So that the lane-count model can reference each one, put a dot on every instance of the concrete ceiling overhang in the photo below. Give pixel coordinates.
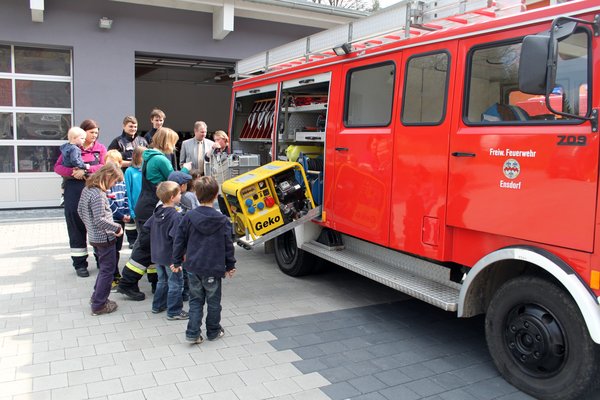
(285, 11)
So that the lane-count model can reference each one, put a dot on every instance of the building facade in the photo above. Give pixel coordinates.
(59, 65)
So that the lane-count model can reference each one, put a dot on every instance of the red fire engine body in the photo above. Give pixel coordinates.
(430, 158)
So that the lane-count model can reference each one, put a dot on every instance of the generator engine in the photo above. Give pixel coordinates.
(267, 197)
(291, 195)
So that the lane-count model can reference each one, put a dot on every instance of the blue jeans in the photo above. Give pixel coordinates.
(168, 291)
(204, 289)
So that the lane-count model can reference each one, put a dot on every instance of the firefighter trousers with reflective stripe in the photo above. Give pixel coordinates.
(140, 260)
(75, 226)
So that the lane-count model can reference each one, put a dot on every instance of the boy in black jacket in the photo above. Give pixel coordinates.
(204, 237)
(163, 226)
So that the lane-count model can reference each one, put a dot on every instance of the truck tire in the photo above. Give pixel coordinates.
(539, 341)
(292, 260)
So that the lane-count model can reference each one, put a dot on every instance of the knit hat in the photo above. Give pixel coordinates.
(179, 177)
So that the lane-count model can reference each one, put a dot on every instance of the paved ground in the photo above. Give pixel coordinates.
(334, 335)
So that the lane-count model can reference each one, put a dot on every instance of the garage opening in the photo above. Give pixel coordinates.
(186, 89)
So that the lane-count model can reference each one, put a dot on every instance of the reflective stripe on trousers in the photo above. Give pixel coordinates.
(79, 252)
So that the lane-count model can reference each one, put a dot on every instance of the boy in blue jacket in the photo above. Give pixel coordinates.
(163, 227)
(204, 237)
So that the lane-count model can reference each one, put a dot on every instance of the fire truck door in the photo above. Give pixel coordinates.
(420, 175)
(516, 169)
(363, 150)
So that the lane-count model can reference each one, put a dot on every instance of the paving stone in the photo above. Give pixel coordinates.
(78, 392)
(195, 387)
(136, 382)
(340, 390)
(367, 384)
(165, 392)
(253, 392)
(399, 392)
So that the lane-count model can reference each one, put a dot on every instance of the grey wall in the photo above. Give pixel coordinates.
(103, 61)
(184, 103)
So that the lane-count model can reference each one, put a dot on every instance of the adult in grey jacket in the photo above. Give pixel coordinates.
(189, 148)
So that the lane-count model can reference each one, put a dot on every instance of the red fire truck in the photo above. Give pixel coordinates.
(452, 152)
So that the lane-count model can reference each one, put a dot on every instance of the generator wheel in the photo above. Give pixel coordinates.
(292, 260)
(539, 341)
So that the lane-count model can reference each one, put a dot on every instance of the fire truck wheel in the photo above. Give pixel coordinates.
(292, 260)
(539, 341)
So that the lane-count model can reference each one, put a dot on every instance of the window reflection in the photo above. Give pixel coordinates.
(5, 92)
(34, 126)
(37, 158)
(7, 159)
(4, 58)
(43, 94)
(6, 126)
(31, 60)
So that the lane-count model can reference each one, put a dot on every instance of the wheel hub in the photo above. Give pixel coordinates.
(535, 339)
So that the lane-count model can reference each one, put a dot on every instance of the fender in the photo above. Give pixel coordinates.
(581, 293)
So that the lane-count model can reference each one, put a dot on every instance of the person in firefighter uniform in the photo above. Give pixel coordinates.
(93, 154)
(155, 169)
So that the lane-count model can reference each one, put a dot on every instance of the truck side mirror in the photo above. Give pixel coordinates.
(533, 64)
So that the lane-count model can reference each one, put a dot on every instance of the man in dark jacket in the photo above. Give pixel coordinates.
(127, 141)
(204, 237)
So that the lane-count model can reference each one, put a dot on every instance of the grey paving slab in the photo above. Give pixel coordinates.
(334, 335)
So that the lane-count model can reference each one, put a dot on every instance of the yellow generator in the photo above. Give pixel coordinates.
(267, 197)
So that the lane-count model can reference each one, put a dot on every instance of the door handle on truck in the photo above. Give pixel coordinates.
(462, 154)
(341, 149)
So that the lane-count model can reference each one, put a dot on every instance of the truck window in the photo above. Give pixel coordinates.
(425, 87)
(369, 95)
(494, 99)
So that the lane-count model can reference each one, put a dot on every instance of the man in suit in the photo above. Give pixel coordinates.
(196, 149)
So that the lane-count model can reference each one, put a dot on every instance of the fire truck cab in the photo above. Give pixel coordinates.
(455, 158)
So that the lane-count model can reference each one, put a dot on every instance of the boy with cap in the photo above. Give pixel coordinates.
(183, 180)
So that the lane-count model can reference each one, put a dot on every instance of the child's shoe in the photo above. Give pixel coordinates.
(109, 306)
(219, 335)
(181, 316)
(113, 286)
(197, 340)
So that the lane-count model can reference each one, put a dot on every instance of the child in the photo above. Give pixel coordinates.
(133, 188)
(188, 202)
(102, 232)
(71, 151)
(204, 237)
(163, 226)
(117, 201)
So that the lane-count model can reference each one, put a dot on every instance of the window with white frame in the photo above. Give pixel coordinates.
(36, 106)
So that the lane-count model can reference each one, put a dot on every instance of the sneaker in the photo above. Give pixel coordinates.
(82, 272)
(132, 294)
(108, 307)
(219, 335)
(197, 340)
(159, 310)
(113, 286)
(181, 316)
